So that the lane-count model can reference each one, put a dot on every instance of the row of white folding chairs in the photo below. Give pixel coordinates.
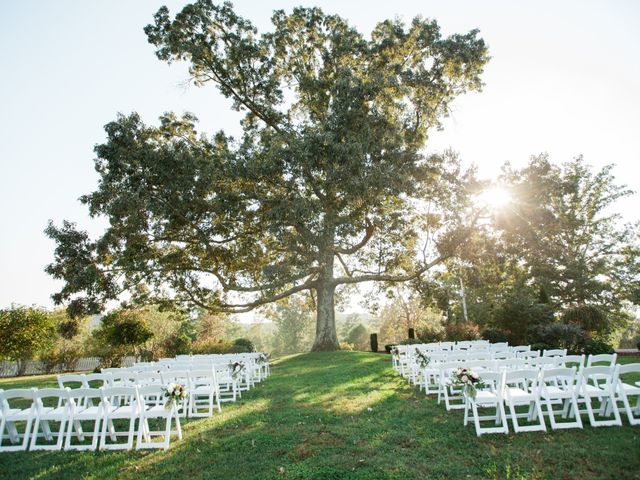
(493, 350)
(407, 365)
(244, 380)
(457, 346)
(107, 408)
(429, 378)
(206, 386)
(256, 364)
(561, 391)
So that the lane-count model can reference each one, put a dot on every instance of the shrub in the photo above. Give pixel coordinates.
(542, 346)
(25, 333)
(461, 331)
(638, 346)
(242, 345)
(210, 345)
(431, 335)
(374, 342)
(518, 313)
(410, 341)
(597, 347)
(347, 346)
(589, 317)
(359, 337)
(559, 335)
(59, 359)
(494, 335)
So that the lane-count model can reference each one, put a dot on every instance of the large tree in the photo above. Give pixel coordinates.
(327, 185)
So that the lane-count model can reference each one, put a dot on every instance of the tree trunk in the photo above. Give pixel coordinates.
(326, 338)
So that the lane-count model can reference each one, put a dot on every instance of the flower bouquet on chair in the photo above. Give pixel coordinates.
(174, 392)
(262, 359)
(422, 359)
(237, 369)
(469, 380)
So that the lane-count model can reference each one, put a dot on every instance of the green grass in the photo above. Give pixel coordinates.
(343, 415)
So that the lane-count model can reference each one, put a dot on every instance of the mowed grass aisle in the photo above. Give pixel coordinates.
(343, 415)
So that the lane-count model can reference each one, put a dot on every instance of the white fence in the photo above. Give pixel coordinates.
(36, 367)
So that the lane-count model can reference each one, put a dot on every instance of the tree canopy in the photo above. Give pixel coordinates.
(327, 185)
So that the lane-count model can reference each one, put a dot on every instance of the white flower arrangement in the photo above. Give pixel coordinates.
(422, 358)
(174, 392)
(262, 359)
(469, 380)
(237, 369)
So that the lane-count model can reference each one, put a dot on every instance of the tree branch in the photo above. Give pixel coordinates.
(369, 229)
(390, 278)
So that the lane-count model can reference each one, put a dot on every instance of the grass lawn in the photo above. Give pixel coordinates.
(343, 415)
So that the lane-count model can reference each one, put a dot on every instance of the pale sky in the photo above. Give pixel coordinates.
(564, 79)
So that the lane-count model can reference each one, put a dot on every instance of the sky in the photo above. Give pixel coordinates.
(563, 79)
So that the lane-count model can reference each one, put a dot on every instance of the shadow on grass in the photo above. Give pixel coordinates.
(346, 415)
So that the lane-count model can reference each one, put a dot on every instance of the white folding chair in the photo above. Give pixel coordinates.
(556, 352)
(541, 363)
(528, 354)
(626, 389)
(71, 381)
(59, 412)
(449, 391)
(149, 378)
(203, 392)
(499, 346)
(151, 408)
(98, 380)
(521, 348)
(10, 416)
(478, 355)
(85, 406)
(521, 389)
(557, 387)
(227, 385)
(603, 360)
(502, 355)
(123, 378)
(119, 403)
(569, 361)
(428, 377)
(599, 383)
(488, 396)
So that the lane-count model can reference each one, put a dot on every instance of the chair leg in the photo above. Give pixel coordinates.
(167, 432)
(466, 412)
(627, 408)
(34, 435)
(476, 418)
(514, 417)
(132, 426)
(61, 434)
(503, 417)
(13, 432)
(139, 435)
(178, 427)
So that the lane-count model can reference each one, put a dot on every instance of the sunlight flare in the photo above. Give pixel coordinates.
(494, 197)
